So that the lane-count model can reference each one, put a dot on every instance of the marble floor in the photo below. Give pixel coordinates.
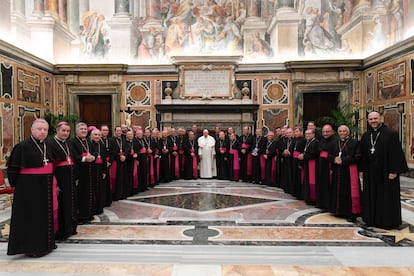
(212, 227)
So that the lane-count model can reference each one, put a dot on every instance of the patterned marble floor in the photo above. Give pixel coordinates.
(212, 227)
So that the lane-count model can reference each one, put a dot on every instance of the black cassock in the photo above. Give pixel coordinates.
(107, 184)
(286, 164)
(234, 162)
(31, 227)
(150, 146)
(132, 166)
(327, 148)
(271, 163)
(191, 162)
(257, 160)
(64, 171)
(310, 156)
(83, 170)
(297, 168)
(279, 144)
(381, 205)
(345, 191)
(174, 157)
(99, 169)
(119, 177)
(139, 147)
(222, 157)
(165, 148)
(246, 143)
(181, 154)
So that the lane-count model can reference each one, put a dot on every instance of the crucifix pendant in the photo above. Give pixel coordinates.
(372, 150)
(45, 161)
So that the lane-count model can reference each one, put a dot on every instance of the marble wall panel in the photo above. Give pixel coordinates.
(141, 118)
(6, 131)
(138, 93)
(47, 88)
(6, 80)
(274, 118)
(26, 117)
(394, 117)
(28, 86)
(369, 87)
(275, 92)
(391, 82)
(411, 142)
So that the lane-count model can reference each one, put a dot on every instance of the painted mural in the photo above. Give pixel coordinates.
(208, 27)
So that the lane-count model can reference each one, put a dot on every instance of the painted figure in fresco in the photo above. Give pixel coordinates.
(205, 32)
(229, 37)
(316, 39)
(261, 47)
(179, 20)
(394, 20)
(95, 35)
(147, 45)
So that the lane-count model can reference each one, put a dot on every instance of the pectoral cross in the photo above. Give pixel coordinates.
(372, 150)
(45, 160)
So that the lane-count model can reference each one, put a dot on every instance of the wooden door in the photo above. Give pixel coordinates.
(316, 105)
(96, 110)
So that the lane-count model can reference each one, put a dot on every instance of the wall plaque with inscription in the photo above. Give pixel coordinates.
(207, 81)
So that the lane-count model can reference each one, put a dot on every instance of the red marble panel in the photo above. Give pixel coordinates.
(274, 118)
(141, 118)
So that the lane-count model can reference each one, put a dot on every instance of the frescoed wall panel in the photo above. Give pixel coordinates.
(274, 118)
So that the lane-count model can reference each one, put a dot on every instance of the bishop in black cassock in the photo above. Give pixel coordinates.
(381, 163)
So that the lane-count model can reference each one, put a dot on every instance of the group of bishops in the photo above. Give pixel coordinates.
(60, 181)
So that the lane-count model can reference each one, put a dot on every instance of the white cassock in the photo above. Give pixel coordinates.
(206, 148)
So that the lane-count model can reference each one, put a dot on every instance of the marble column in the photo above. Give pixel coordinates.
(121, 7)
(152, 15)
(123, 32)
(73, 15)
(153, 9)
(52, 7)
(137, 9)
(285, 3)
(19, 7)
(38, 8)
(254, 24)
(63, 10)
(283, 25)
(253, 8)
(360, 7)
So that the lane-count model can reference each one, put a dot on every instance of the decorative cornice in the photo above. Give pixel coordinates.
(397, 50)
(151, 69)
(91, 69)
(211, 108)
(10, 51)
(323, 65)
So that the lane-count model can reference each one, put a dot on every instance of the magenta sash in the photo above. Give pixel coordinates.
(273, 175)
(195, 163)
(46, 169)
(55, 205)
(249, 163)
(262, 167)
(296, 154)
(135, 175)
(312, 179)
(62, 163)
(182, 158)
(323, 154)
(142, 150)
(177, 162)
(157, 164)
(249, 159)
(99, 161)
(151, 168)
(355, 192)
(236, 165)
(112, 176)
(223, 150)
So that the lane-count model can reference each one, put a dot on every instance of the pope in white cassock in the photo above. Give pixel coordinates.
(207, 154)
